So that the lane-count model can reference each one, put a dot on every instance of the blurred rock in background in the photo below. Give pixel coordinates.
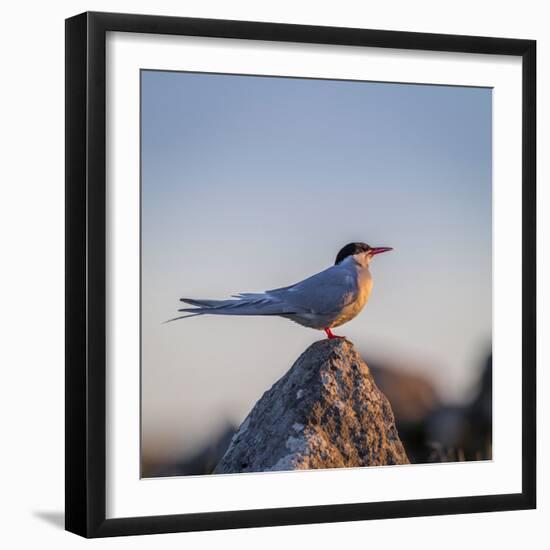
(432, 431)
(413, 399)
(201, 463)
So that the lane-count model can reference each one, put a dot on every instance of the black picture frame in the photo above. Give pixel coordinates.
(86, 276)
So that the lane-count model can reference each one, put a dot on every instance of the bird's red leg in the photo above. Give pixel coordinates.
(331, 336)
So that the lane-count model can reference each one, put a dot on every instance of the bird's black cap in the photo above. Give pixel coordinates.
(351, 249)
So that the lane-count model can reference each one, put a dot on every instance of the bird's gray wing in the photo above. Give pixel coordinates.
(323, 293)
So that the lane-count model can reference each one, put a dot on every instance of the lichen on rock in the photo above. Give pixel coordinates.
(325, 412)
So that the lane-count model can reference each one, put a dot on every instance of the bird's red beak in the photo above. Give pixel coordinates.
(380, 249)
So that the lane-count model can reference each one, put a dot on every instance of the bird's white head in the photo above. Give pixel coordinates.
(361, 253)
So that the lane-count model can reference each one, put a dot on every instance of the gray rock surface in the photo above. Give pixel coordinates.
(325, 412)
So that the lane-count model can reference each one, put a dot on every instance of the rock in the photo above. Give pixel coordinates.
(325, 412)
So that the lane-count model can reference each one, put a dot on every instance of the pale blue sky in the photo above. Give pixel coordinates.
(251, 183)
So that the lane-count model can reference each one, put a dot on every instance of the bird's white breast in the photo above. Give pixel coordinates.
(364, 288)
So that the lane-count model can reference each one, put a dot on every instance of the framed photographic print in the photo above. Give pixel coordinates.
(300, 274)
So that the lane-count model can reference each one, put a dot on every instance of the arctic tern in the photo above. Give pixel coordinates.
(323, 301)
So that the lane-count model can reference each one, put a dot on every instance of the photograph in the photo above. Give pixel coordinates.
(316, 273)
(272, 275)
